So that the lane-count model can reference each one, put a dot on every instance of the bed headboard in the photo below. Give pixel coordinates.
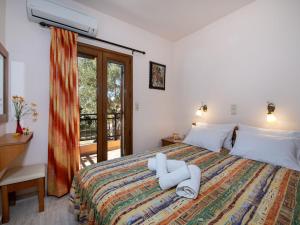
(234, 135)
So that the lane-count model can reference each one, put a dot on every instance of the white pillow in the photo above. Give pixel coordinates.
(278, 133)
(227, 126)
(281, 133)
(209, 138)
(275, 150)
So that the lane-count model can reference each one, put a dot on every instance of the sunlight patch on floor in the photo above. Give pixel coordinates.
(86, 160)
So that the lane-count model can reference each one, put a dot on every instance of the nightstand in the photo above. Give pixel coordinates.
(170, 141)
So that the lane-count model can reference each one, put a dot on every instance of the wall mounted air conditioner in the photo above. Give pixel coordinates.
(51, 13)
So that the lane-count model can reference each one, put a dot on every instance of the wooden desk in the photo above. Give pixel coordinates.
(11, 147)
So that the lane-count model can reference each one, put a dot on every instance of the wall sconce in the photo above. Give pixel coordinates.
(201, 109)
(270, 115)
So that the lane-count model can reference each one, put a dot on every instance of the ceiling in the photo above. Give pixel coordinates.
(171, 19)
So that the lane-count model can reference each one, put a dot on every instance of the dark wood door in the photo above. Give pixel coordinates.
(114, 118)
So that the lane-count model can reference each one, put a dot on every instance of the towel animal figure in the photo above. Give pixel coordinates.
(161, 164)
(171, 164)
(190, 188)
(169, 180)
(175, 172)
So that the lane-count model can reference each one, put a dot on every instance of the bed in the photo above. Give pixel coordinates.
(233, 191)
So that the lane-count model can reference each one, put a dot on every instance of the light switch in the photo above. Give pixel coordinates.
(233, 109)
(137, 106)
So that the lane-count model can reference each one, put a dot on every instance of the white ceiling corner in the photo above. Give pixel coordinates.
(170, 19)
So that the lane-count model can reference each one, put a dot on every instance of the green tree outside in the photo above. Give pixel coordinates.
(88, 86)
(87, 69)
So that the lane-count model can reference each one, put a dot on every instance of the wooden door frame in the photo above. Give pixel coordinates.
(4, 115)
(127, 91)
(104, 55)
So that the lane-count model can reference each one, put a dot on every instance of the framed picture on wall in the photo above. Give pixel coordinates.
(157, 79)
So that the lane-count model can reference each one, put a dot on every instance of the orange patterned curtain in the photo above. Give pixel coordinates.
(63, 143)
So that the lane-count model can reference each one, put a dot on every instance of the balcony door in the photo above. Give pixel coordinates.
(105, 92)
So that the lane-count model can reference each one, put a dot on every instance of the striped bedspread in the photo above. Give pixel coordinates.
(233, 191)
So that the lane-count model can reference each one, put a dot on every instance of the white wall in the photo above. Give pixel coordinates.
(2, 20)
(28, 45)
(246, 58)
(2, 40)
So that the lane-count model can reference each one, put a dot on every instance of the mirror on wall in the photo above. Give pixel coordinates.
(3, 84)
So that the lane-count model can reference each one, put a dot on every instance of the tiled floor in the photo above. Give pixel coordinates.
(87, 160)
(57, 212)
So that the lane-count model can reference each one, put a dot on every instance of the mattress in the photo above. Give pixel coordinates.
(233, 190)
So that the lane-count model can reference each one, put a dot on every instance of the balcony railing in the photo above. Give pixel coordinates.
(88, 126)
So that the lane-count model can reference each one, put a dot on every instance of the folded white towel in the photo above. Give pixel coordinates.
(161, 164)
(171, 164)
(169, 180)
(190, 188)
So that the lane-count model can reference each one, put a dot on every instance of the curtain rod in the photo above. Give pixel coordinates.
(43, 24)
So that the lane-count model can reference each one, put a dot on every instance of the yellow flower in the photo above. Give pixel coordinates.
(21, 99)
(15, 98)
(23, 109)
(33, 105)
(18, 99)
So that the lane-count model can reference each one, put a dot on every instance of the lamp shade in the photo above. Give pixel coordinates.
(199, 112)
(271, 118)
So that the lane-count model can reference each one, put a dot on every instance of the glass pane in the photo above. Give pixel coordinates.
(87, 69)
(115, 73)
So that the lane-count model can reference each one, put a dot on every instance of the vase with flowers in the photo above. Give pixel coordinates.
(23, 109)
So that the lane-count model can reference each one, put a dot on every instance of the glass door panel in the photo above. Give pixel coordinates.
(115, 74)
(87, 72)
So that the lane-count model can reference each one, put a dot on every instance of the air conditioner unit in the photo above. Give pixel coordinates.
(47, 12)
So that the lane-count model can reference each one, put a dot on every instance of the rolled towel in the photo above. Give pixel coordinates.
(152, 164)
(169, 180)
(190, 188)
(161, 164)
(172, 165)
